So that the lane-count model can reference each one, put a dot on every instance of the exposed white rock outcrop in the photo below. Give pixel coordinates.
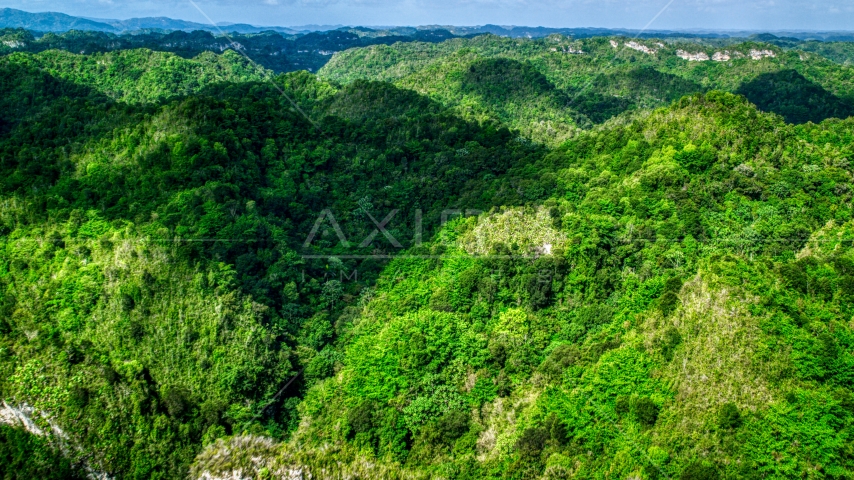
(13, 43)
(20, 417)
(760, 54)
(614, 44)
(641, 48)
(23, 417)
(693, 57)
(721, 56)
(244, 457)
(545, 249)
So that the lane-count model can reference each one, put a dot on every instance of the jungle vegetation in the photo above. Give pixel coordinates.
(594, 262)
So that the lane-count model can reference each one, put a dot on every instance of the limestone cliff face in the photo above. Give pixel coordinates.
(760, 54)
(721, 57)
(40, 424)
(692, 57)
(724, 56)
(641, 48)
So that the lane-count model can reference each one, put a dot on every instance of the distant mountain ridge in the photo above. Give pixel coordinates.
(49, 22)
(516, 31)
(60, 22)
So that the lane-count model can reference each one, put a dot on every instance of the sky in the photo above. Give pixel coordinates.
(766, 15)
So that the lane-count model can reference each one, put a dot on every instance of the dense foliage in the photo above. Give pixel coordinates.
(693, 317)
(24, 456)
(797, 99)
(276, 51)
(514, 261)
(839, 52)
(168, 235)
(598, 78)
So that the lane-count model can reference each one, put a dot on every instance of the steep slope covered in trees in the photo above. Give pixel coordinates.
(275, 51)
(140, 76)
(690, 321)
(643, 276)
(502, 91)
(154, 296)
(603, 77)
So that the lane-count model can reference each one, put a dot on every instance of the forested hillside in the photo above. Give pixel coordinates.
(212, 270)
(168, 233)
(279, 52)
(132, 76)
(600, 78)
(692, 320)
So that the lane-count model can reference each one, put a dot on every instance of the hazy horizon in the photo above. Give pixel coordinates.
(716, 15)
